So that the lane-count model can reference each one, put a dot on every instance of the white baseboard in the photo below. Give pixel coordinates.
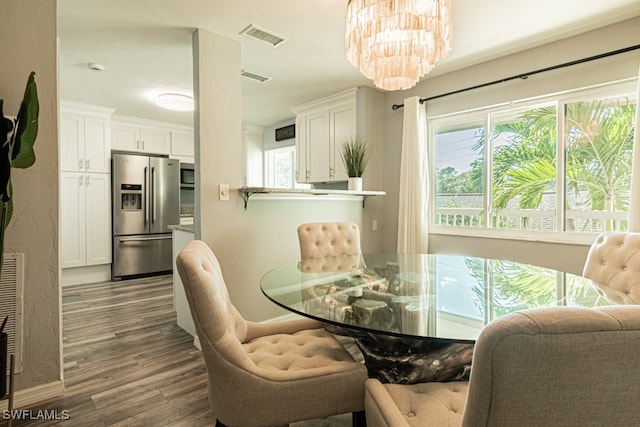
(83, 275)
(33, 395)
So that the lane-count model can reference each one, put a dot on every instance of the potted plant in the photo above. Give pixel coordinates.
(17, 137)
(355, 155)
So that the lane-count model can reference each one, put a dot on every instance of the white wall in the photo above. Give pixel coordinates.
(371, 106)
(269, 141)
(252, 137)
(28, 34)
(618, 36)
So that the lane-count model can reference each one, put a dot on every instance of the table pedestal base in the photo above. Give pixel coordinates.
(410, 361)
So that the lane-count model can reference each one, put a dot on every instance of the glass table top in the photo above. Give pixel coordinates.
(433, 296)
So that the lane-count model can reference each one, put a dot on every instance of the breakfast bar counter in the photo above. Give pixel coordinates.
(247, 192)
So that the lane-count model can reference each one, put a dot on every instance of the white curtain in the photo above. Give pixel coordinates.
(413, 219)
(634, 203)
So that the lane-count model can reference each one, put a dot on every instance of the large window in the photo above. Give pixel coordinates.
(561, 164)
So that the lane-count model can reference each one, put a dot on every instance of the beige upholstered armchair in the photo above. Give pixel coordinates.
(265, 374)
(560, 366)
(325, 239)
(613, 263)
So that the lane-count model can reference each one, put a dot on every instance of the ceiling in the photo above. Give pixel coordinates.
(145, 46)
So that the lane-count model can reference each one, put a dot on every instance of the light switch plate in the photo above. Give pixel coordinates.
(224, 191)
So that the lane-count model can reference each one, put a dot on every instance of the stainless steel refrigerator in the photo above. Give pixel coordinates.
(146, 200)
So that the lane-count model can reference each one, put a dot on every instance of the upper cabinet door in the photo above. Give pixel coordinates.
(84, 143)
(302, 170)
(182, 144)
(126, 138)
(318, 147)
(321, 128)
(343, 128)
(71, 142)
(97, 144)
(157, 141)
(130, 137)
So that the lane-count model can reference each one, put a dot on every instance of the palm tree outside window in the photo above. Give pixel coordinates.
(561, 165)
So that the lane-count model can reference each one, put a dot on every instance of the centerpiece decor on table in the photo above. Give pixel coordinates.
(355, 155)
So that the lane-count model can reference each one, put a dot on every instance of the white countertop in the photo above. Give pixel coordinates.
(310, 191)
(189, 228)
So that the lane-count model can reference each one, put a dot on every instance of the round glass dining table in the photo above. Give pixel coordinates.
(415, 317)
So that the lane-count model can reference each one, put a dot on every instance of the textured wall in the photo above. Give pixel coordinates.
(28, 34)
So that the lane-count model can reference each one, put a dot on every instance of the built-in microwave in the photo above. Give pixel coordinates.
(187, 184)
(187, 175)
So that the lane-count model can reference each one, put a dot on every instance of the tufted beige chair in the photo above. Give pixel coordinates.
(325, 239)
(324, 247)
(558, 366)
(613, 263)
(265, 374)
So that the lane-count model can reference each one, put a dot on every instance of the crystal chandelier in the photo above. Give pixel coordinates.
(395, 42)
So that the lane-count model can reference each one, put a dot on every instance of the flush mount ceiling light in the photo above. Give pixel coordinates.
(175, 101)
(395, 42)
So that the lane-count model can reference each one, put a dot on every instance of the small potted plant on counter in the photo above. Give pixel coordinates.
(355, 155)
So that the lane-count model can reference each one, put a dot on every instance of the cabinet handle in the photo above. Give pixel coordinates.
(143, 144)
(87, 164)
(138, 144)
(88, 179)
(80, 164)
(80, 180)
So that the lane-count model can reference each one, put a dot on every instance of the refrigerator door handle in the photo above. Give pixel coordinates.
(145, 202)
(143, 239)
(152, 192)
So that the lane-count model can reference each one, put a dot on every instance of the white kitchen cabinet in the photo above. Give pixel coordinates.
(321, 128)
(182, 146)
(86, 219)
(140, 138)
(84, 139)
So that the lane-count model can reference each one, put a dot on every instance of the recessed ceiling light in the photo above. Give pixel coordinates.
(175, 101)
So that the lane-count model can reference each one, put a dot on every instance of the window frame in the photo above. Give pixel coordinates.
(622, 88)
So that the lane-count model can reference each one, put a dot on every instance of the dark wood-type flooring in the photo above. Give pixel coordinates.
(127, 363)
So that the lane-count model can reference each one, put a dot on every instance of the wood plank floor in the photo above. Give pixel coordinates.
(127, 363)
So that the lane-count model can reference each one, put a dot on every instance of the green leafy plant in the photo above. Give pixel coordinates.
(17, 137)
(355, 155)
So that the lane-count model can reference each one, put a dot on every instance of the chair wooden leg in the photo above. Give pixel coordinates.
(219, 424)
(358, 419)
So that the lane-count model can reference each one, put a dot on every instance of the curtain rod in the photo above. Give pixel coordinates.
(524, 76)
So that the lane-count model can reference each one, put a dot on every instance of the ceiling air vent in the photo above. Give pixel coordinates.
(263, 35)
(255, 77)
